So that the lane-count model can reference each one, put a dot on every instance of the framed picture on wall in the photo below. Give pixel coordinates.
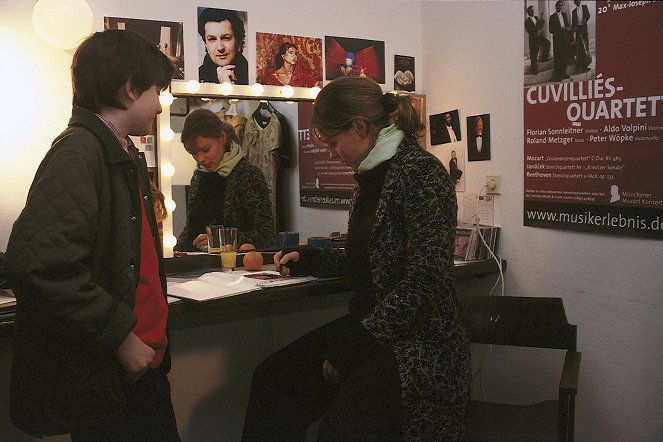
(354, 57)
(404, 73)
(288, 59)
(445, 127)
(478, 137)
(419, 103)
(167, 36)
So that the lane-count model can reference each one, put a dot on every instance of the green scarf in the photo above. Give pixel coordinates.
(228, 163)
(385, 148)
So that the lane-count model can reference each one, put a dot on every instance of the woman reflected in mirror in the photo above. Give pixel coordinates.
(225, 188)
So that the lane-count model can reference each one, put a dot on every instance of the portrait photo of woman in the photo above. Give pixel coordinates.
(286, 59)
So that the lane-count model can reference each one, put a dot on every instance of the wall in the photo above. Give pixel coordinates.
(612, 286)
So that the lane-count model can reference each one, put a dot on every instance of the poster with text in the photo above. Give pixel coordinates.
(323, 182)
(594, 142)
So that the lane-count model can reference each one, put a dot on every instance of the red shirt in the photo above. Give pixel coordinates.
(151, 308)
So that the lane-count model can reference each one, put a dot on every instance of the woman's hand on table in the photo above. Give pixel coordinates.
(200, 242)
(280, 261)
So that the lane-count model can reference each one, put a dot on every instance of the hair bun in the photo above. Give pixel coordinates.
(390, 102)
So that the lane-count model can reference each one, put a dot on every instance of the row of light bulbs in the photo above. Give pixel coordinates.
(167, 134)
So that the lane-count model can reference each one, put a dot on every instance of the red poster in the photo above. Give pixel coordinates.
(323, 182)
(594, 141)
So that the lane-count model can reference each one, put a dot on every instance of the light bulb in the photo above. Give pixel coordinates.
(168, 170)
(170, 205)
(62, 24)
(257, 89)
(166, 98)
(287, 91)
(167, 133)
(192, 86)
(226, 88)
(315, 90)
(169, 241)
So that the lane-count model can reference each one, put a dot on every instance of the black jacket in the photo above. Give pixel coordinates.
(73, 261)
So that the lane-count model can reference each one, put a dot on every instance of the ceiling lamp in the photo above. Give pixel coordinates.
(62, 24)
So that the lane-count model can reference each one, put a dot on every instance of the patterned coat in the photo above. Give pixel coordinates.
(245, 205)
(415, 312)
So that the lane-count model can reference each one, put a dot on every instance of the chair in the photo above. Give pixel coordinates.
(524, 322)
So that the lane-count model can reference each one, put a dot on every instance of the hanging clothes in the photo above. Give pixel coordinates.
(262, 136)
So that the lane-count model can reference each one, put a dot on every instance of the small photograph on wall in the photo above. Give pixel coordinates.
(404, 73)
(288, 59)
(445, 127)
(222, 45)
(354, 57)
(478, 137)
(453, 158)
(168, 36)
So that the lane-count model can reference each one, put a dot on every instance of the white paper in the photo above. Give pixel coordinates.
(215, 285)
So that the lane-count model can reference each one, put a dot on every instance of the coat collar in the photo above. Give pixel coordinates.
(110, 144)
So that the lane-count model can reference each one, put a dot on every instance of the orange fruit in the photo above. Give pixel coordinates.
(247, 246)
(253, 260)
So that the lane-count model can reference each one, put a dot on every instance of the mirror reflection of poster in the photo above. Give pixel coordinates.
(165, 34)
(354, 57)
(592, 142)
(288, 59)
(222, 40)
(404, 79)
(323, 182)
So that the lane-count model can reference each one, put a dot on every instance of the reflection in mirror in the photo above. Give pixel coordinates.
(266, 131)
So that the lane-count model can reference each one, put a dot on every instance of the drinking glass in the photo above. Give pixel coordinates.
(228, 236)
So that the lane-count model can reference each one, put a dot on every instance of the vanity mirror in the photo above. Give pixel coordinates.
(175, 166)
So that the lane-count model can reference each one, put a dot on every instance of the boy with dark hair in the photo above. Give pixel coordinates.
(91, 347)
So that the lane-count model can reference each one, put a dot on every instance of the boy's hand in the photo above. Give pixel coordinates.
(135, 356)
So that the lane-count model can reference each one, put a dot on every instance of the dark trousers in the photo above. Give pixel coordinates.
(538, 44)
(289, 393)
(561, 54)
(148, 416)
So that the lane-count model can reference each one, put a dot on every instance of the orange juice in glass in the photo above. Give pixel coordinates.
(228, 247)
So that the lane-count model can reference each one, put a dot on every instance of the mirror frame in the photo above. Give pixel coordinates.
(192, 88)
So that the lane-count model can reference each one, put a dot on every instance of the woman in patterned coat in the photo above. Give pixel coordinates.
(225, 188)
(398, 366)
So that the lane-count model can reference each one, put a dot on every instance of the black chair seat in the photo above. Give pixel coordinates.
(490, 421)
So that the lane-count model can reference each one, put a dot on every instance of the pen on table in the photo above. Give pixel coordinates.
(283, 245)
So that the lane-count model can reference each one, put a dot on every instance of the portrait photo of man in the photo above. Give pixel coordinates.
(223, 37)
(445, 127)
(478, 137)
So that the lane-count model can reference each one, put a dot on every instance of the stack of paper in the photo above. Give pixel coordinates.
(222, 284)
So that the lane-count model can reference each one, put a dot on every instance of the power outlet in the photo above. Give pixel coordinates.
(494, 184)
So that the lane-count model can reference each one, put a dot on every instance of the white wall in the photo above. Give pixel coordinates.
(612, 286)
